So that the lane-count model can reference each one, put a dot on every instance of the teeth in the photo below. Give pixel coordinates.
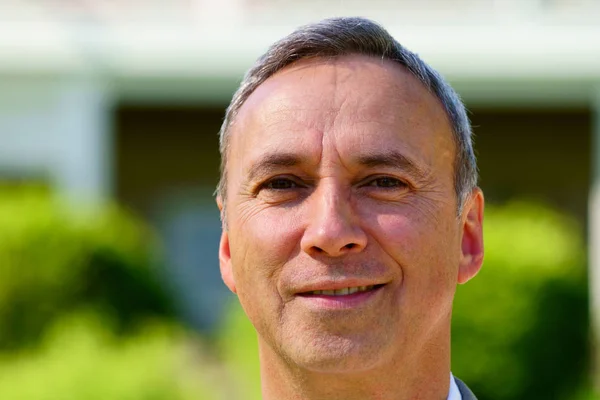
(344, 291)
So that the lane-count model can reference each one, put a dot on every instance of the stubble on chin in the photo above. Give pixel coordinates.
(332, 345)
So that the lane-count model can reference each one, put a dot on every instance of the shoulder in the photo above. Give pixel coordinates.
(464, 390)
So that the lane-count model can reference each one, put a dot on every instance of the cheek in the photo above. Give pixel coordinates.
(422, 249)
(263, 243)
(268, 234)
(267, 239)
(425, 248)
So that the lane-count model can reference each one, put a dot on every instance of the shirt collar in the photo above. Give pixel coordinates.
(454, 393)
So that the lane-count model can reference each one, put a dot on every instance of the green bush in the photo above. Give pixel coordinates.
(72, 281)
(55, 258)
(82, 314)
(238, 348)
(80, 358)
(520, 326)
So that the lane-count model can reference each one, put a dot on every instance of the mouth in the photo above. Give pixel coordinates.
(345, 298)
(343, 291)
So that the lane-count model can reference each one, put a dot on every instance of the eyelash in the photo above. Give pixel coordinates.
(371, 182)
(269, 184)
(397, 183)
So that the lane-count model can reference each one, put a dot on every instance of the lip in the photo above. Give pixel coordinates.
(338, 284)
(343, 302)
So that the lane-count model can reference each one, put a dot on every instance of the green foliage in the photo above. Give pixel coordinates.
(520, 326)
(239, 351)
(82, 315)
(78, 289)
(55, 259)
(80, 358)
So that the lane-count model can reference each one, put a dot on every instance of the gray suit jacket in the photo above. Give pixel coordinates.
(465, 392)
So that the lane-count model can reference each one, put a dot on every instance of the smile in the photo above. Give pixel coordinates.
(351, 297)
(343, 291)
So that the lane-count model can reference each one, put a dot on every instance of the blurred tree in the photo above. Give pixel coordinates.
(520, 328)
(238, 348)
(55, 259)
(79, 357)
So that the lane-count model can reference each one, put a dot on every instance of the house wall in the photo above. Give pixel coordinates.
(164, 149)
(166, 168)
(57, 131)
(542, 154)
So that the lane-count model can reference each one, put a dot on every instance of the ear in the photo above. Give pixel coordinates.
(472, 237)
(225, 253)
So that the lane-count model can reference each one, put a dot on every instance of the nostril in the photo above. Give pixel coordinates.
(350, 246)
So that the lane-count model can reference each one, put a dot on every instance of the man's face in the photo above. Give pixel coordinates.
(340, 178)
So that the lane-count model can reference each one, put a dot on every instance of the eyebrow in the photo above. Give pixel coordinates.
(396, 160)
(270, 162)
(389, 159)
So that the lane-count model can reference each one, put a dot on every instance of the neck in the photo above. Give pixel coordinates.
(422, 375)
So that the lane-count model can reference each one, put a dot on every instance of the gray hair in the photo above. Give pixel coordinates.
(347, 36)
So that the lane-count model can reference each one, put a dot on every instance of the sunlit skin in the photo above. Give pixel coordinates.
(340, 174)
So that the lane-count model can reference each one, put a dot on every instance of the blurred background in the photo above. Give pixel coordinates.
(109, 114)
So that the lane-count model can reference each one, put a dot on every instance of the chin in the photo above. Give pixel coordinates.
(335, 354)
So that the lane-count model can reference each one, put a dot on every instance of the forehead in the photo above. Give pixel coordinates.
(351, 103)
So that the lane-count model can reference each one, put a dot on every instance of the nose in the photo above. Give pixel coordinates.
(333, 228)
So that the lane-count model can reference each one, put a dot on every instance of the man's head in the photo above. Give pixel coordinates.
(344, 36)
(345, 160)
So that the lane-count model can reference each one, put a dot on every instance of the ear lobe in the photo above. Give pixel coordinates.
(472, 237)
(225, 262)
(225, 253)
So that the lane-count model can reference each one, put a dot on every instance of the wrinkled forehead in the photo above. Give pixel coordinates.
(358, 101)
(334, 80)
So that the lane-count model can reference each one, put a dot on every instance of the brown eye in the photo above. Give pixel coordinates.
(280, 184)
(387, 182)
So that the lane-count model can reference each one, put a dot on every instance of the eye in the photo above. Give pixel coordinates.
(281, 189)
(280, 184)
(387, 182)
